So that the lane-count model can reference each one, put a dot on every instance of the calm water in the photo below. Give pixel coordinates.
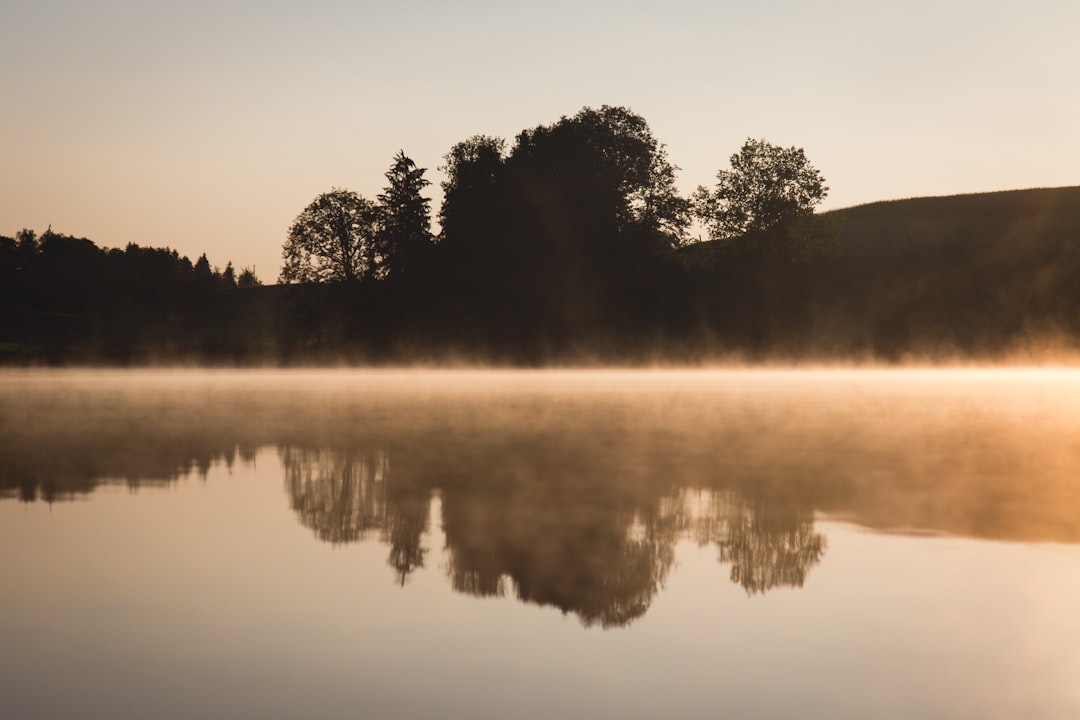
(639, 544)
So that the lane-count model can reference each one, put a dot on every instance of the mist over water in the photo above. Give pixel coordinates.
(654, 504)
(853, 441)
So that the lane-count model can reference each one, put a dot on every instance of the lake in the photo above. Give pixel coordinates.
(822, 543)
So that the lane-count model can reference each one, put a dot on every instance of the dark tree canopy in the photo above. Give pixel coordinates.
(767, 186)
(612, 168)
(471, 209)
(64, 299)
(335, 238)
(471, 164)
(247, 279)
(405, 231)
(557, 233)
(600, 172)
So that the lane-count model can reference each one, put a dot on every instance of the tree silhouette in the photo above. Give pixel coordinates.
(405, 232)
(548, 243)
(27, 241)
(472, 211)
(624, 152)
(202, 270)
(767, 186)
(600, 171)
(228, 276)
(335, 238)
(248, 279)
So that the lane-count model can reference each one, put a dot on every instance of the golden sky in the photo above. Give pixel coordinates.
(207, 126)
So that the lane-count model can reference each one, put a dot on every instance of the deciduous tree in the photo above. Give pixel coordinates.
(767, 186)
(335, 238)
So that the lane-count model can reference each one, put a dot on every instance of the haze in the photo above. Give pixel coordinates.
(207, 127)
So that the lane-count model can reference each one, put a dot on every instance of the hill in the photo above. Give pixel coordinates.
(969, 275)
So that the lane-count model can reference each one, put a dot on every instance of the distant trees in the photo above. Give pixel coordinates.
(64, 299)
(766, 187)
(572, 231)
(248, 279)
(228, 276)
(334, 238)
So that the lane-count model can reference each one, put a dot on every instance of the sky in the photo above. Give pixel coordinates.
(207, 126)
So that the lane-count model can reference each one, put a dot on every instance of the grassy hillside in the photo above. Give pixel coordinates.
(971, 275)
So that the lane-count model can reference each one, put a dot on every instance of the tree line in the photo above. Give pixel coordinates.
(562, 243)
(579, 195)
(570, 243)
(63, 298)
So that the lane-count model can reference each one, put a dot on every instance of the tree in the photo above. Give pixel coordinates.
(638, 163)
(596, 176)
(405, 232)
(335, 238)
(248, 279)
(473, 168)
(549, 240)
(615, 173)
(768, 186)
(28, 242)
(228, 276)
(202, 271)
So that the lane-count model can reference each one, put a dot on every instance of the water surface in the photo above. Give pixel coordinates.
(821, 543)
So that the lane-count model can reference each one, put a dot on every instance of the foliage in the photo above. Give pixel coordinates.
(228, 276)
(470, 209)
(767, 186)
(611, 172)
(202, 270)
(405, 231)
(64, 299)
(584, 181)
(470, 164)
(248, 279)
(335, 238)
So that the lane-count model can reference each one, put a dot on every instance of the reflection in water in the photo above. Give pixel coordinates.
(593, 554)
(572, 489)
(767, 545)
(66, 467)
(768, 550)
(584, 492)
(346, 496)
(338, 495)
(577, 544)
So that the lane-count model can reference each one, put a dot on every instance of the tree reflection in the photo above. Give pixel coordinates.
(405, 528)
(595, 546)
(594, 557)
(769, 544)
(769, 547)
(563, 494)
(343, 496)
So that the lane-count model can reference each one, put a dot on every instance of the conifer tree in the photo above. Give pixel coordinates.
(405, 232)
